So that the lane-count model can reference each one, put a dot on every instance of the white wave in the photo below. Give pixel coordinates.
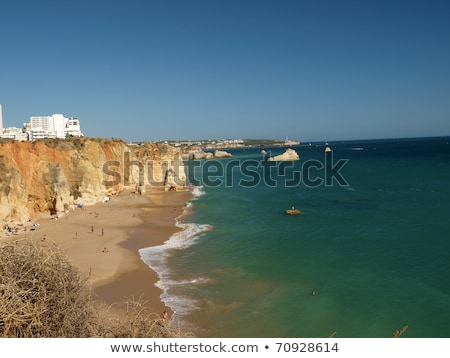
(175, 293)
(156, 256)
(191, 282)
(198, 191)
(186, 237)
(181, 305)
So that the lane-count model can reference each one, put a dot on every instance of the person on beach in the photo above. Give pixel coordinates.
(164, 316)
(92, 228)
(103, 232)
(105, 250)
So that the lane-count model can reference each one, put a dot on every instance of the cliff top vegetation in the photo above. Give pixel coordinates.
(43, 295)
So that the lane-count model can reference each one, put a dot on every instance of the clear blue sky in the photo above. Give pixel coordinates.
(196, 69)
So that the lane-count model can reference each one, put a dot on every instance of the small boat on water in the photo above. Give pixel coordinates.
(293, 211)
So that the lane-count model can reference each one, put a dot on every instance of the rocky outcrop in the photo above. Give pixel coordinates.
(222, 154)
(288, 155)
(51, 176)
(199, 153)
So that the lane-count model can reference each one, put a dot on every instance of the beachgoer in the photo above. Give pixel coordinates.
(164, 316)
(92, 228)
(105, 250)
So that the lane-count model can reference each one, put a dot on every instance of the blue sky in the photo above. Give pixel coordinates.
(312, 70)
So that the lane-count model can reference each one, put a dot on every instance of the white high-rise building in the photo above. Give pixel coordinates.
(39, 127)
(54, 126)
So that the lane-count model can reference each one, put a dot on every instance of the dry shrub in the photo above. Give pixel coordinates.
(43, 295)
(138, 321)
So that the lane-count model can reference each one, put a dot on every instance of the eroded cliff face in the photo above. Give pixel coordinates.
(51, 176)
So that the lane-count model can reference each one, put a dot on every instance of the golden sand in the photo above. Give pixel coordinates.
(103, 240)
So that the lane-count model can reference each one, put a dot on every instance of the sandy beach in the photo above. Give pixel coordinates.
(103, 240)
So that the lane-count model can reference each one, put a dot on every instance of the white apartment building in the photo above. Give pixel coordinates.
(39, 127)
(54, 126)
(14, 133)
(11, 132)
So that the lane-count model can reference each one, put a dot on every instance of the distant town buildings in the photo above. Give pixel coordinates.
(39, 127)
(188, 146)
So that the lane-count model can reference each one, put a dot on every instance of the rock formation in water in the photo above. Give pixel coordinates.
(53, 175)
(288, 155)
(198, 153)
(222, 154)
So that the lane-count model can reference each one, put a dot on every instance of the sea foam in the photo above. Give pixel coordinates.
(156, 257)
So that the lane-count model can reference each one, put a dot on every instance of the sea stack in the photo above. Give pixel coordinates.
(222, 154)
(288, 155)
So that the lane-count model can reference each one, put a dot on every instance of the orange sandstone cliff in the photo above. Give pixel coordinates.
(53, 175)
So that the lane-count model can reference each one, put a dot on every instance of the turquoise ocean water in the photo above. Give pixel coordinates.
(375, 251)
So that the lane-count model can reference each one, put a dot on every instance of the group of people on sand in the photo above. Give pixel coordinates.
(29, 226)
(105, 249)
(92, 230)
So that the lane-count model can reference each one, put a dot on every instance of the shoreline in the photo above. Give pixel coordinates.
(158, 224)
(122, 226)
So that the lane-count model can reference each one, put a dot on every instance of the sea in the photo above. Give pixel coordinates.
(368, 256)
